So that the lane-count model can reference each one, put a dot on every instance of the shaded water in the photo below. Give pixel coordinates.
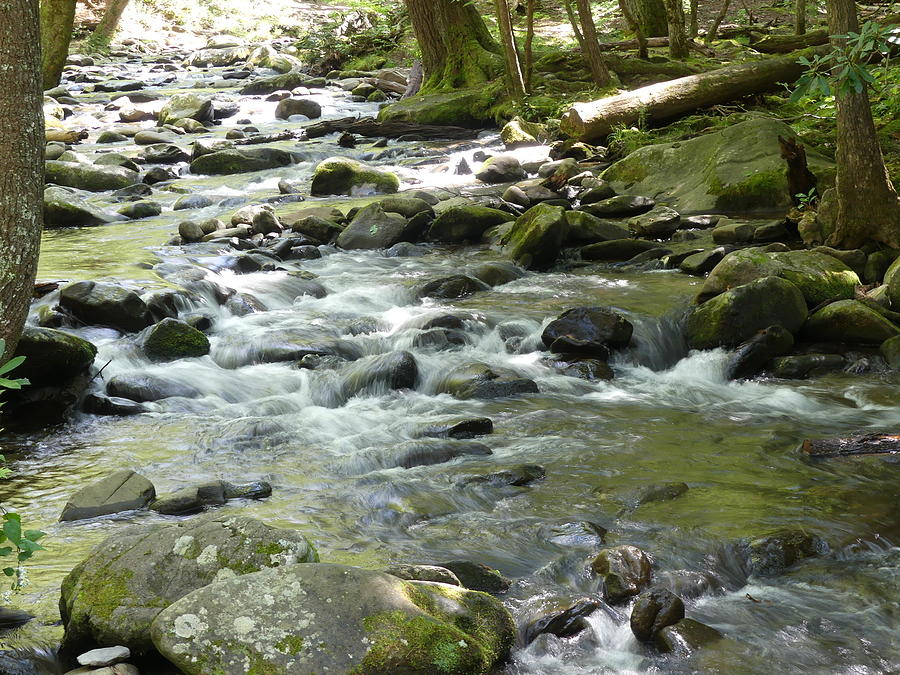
(668, 416)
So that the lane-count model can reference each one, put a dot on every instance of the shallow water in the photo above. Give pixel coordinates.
(668, 416)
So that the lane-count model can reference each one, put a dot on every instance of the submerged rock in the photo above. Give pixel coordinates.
(478, 576)
(123, 490)
(142, 387)
(478, 380)
(397, 370)
(773, 554)
(424, 573)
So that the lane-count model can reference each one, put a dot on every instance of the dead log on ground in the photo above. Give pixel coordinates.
(783, 44)
(628, 45)
(868, 444)
(372, 128)
(594, 120)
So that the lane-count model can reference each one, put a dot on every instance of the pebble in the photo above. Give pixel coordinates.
(104, 657)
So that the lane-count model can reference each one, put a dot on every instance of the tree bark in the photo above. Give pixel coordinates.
(800, 17)
(678, 47)
(868, 208)
(510, 52)
(529, 44)
(717, 21)
(801, 181)
(573, 19)
(695, 27)
(650, 16)
(634, 27)
(103, 33)
(782, 44)
(21, 162)
(593, 121)
(869, 444)
(56, 19)
(591, 46)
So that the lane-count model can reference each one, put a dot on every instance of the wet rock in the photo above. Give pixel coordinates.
(479, 381)
(466, 223)
(336, 619)
(739, 314)
(497, 273)
(115, 594)
(243, 160)
(890, 350)
(621, 206)
(587, 369)
(685, 637)
(700, 263)
(107, 656)
(141, 209)
(111, 405)
(159, 174)
(589, 331)
(653, 611)
(343, 176)
(52, 356)
(661, 222)
(580, 534)
(191, 202)
(88, 176)
(142, 388)
(597, 192)
(190, 499)
(152, 137)
(517, 476)
(298, 106)
(537, 236)
(849, 322)
(121, 491)
(617, 249)
(290, 80)
(105, 305)
(773, 554)
(190, 231)
(478, 576)
(373, 228)
(452, 288)
(807, 365)
(587, 229)
(172, 339)
(501, 169)
(661, 492)
(755, 354)
(625, 571)
(397, 370)
(187, 106)
(564, 624)
(64, 207)
(433, 573)
(318, 228)
(426, 452)
(460, 428)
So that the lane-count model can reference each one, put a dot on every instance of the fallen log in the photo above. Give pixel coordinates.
(868, 444)
(372, 128)
(594, 120)
(628, 45)
(783, 44)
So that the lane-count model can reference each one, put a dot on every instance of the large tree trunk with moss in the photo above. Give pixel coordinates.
(678, 44)
(510, 51)
(650, 16)
(591, 45)
(783, 44)
(868, 208)
(57, 19)
(21, 162)
(594, 121)
(457, 48)
(103, 33)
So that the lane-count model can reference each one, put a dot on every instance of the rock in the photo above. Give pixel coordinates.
(501, 169)
(408, 207)
(818, 276)
(344, 176)
(497, 273)
(660, 222)
(105, 305)
(621, 206)
(700, 263)
(755, 354)
(420, 452)
(517, 133)
(774, 230)
(285, 81)
(587, 229)
(586, 369)
(190, 499)
(537, 236)
(479, 381)
(332, 618)
(148, 137)
(517, 476)
(466, 223)
(64, 208)
(115, 594)
(580, 533)
(190, 231)
(372, 228)
(142, 388)
(738, 169)
(617, 249)
(112, 405)
(172, 339)
(685, 637)
(478, 576)
(191, 202)
(88, 176)
(733, 233)
(121, 491)
(890, 350)
(433, 573)
(661, 492)
(653, 611)
(106, 656)
(187, 106)
(597, 192)
(588, 331)
(452, 288)
(625, 571)
(379, 374)
(460, 428)
(298, 106)
(807, 365)
(141, 209)
(243, 160)
(163, 153)
(564, 624)
(52, 356)
(773, 554)
(849, 322)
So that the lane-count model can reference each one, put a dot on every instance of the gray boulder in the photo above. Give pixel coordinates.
(89, 176)
(121, 491)
(105, 305)
(64, 207)
(372, 228)
(501, 169)
(298, 106)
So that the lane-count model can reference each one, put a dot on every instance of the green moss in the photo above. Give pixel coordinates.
(291, 644)
(103, 597)
(173, 339)
(272, 548)
(748, 194)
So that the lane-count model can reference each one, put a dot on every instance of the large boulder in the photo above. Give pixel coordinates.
(64, 207)
(123, 490)
(372, 228)
(88, 176)
(501, 169)
(173, 339)
(480, 381)
(187, 106)
(587, 331)
(892, 281)
(344, 176)
(297, 106)
(52, 356)
(244, 160)
(105, 305)
(537, 236)
(587, 229)
(284, 82)
(737, 169)
(113, 596)
(737, 315)
(819, 277)
(850, 322)
(458, 107)
(466, 223)
(326, 618)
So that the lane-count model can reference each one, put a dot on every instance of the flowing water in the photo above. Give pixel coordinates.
(669, 415)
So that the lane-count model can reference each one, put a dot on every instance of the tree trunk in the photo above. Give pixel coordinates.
(695, 27)
(782, 44)
(650, 16)
(457, 49)
(801, 181)
(800, 17)
(103, 33)
(678, 46)
(591, 46)
(574, 21)
(717, 21)
(529, 44)
(372, 128)
(21, 162)
(510, 52)
(56, 18)
(868, 208)
(634, 27)
(593, 121)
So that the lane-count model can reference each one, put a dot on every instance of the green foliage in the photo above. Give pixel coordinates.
(807, 200)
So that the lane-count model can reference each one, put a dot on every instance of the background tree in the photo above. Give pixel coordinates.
(678, 44)
(635, 28)
(800, 17)
(650, 16)
(21, 162)
(573, 19)
(57, 19)
(591, 45)
(528, 50)
(510, 51)
(716, 22)
(106, 29)
(694, 29)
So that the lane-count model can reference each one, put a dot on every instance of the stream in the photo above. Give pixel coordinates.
(668, 416)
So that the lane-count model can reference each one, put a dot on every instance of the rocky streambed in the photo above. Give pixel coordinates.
(537, 421)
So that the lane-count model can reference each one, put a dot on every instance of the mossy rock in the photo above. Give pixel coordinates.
(52, 356)
(519, 133)
(172, 339)
(333, 618)
(738, 314)
(342, 176)
(819, 277)
(892, 281)
(458, 108)
(850, 322)
(227, 162)
(113, 596)
(89, 177)
(537, 236)
(187, 106)
(466, 223)
(738, 169)
(64, 207)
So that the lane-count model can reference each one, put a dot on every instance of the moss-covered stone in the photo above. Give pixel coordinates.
(186, 106)
(466, 223)
(88, 176)
(344, 176)
(850, 322)
(537, 236)
(518, 133)
(461, 108)
(52, 356)
(173, 339)
(244, 160)
(892, 281)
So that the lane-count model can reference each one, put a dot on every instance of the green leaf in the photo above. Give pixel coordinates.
(27, 545)
(34, 535)
(24, 555)
(6, 550)
(12, 363)
(12, 528)
(9, 571)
